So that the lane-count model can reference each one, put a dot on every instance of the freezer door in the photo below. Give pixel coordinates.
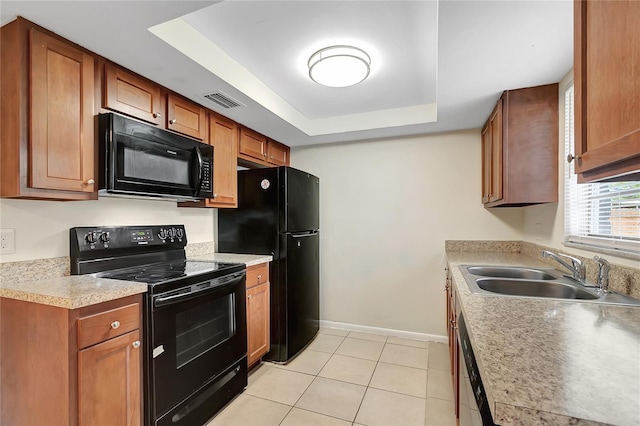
(302, 294)
(302, 195)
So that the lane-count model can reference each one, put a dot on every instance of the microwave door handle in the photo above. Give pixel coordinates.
(198, 173)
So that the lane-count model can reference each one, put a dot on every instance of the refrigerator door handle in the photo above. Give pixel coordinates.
(310, 234)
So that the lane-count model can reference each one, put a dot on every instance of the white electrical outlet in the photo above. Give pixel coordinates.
(7, 241)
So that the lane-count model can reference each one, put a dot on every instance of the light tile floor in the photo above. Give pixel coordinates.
(352, 378)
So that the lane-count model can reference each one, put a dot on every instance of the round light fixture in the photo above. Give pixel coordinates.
(339, 66)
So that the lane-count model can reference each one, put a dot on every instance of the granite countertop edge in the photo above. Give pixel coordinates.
(505, 408)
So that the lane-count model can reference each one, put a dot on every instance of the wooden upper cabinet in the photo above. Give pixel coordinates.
(259, 151)
(277, 153)
(520, 148)
(252, 145)
(47, 108)
(130, 94)
(607, 89)
(186, 117)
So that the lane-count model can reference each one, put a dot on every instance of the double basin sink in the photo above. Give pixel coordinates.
(530, 282)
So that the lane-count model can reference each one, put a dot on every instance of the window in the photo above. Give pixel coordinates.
(605, 215)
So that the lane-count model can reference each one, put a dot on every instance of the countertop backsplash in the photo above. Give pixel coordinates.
(622, 279)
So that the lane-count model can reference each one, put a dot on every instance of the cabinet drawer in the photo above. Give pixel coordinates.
(257, 274)
(105, 325)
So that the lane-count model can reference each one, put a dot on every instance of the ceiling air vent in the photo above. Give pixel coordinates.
(223, 100)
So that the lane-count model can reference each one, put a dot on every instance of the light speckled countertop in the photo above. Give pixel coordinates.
(70, 292)
(552, 362)
(77, 291)
(247, 259)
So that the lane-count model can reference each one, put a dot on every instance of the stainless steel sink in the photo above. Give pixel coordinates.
(511, 272)
(503, 281)
(534, 288)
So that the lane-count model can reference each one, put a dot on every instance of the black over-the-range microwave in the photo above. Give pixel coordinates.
(137, 159)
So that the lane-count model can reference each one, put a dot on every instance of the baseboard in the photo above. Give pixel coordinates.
(385, 331)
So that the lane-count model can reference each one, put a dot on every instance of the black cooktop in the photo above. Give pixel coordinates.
(162, 272)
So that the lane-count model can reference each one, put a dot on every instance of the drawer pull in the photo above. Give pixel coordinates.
(259, 277)
(115, 325)
(136, 344)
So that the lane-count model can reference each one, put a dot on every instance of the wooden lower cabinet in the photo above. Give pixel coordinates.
(49, 378)
(258, 309)
(109, 382)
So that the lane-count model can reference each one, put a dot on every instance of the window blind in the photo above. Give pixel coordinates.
(598, 214)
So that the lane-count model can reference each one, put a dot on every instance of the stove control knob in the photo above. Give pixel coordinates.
(91, 237)
(163, 234)
(173, 232)
(180, 232)
(104, 237)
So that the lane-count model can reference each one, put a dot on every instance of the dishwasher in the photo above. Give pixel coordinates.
(474, 374)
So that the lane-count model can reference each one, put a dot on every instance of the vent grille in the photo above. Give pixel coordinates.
(223, 100)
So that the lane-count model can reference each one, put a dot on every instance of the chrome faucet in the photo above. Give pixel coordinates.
(577, 267)
(603, 273)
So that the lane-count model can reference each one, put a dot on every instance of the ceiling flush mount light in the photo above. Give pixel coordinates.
(339, 66)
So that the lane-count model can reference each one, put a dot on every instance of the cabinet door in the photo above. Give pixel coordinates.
(132, 95)
(277, 153)
(186, 117)
(109, 390)
(253, 144)
(61, 96)
(257, 322)
(495, 124)
(607, 87)
(224, 138)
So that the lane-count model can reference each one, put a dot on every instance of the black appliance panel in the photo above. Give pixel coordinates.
(139, 159)
(253, 226)
(197, 409)
(302, 200)
(474, 374)
(190, 345)
(301, 264)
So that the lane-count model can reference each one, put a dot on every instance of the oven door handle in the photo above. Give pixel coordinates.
(197, 290)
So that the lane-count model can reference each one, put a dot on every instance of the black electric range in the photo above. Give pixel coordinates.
(194, 317)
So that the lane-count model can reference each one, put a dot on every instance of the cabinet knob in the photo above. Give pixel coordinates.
(215, 195)
(259, 277)
(115, 325)
(156, 115)
(90, 182)
(571, 157)
(271, 157)
(173, 121)
(265, 154)
(249, 296)
(136, 344)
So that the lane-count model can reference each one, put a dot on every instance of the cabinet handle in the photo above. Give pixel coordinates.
(136, 344)
(571, 157)
(173, 121)
(90, 182)
(156, 115)
(259, 277)
(115, 325)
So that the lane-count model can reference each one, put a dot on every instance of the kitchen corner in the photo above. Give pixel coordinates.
(548, 361)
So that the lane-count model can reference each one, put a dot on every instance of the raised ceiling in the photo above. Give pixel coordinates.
(436, 66)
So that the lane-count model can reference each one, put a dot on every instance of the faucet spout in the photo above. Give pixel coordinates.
(577, 267)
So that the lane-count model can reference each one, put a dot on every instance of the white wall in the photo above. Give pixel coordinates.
(544, 224)
(42, 227)
(386, 208)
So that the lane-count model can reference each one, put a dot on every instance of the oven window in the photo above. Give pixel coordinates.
(159, 166)
(204, 327)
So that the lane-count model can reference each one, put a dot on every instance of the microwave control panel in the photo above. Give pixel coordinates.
(207, 181)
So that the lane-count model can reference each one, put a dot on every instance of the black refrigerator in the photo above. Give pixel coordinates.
(278, 214)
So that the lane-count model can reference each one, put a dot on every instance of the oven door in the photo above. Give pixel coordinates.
(198, 332)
